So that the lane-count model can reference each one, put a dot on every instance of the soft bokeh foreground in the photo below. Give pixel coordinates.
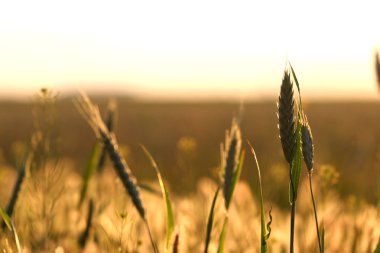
(54, 221)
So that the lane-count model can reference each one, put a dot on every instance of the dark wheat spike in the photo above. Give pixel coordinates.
(17, 187)
(307, 144)
(123, 171)
(91, 113)
(286, 122)
(109, 125)
(231, 159)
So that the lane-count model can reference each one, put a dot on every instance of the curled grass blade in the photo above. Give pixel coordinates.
(210, 220)
(269, 229)
(90, 168)
(169, 210)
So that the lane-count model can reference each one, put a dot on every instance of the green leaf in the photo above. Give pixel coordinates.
(297, 84)
(297, 163)
(377, 250)
(9, 223)
(236, 177)
(295, 77)
(165, 194)
(264, 234)
(6, 218)
(149, 189)
(210, 220)
(223, 235)
(90, 168)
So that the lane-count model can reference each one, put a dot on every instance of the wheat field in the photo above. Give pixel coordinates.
(172, 177)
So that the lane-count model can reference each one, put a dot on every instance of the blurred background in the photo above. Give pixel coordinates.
(180, 71)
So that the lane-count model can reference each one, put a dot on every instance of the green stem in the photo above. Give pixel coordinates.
(315, 212)
(292, 223)
(293, 214)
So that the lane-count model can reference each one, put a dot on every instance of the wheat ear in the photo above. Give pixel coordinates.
(92, 115)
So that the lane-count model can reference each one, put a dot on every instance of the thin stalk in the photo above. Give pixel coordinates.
(154, 246)
(293, 214)
(292, 222)
(315, 212)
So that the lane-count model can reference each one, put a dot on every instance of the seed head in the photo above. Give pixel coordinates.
(285, 115)
(230, 159)
(377, 68)
(307, 144)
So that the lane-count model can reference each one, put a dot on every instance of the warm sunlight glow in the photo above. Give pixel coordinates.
(195, 49)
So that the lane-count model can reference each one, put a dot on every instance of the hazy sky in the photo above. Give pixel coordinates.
(191, 49)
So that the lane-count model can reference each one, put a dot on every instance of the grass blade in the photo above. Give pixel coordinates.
(169, 210)
(295, 79)
(90, 168)
(149, 189)
(264, 233)
(223, 235)
(6, 218)
(210, 220)
(236, 176)
(8, 221)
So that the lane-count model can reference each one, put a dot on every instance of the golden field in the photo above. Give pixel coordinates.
(184, 139)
